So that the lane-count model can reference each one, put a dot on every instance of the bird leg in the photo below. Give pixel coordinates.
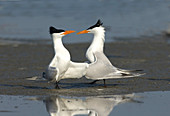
(104, 83)
(93, 82)
(56, 86)
(43, 74)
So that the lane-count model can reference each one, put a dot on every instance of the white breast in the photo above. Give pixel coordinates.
(61, 60)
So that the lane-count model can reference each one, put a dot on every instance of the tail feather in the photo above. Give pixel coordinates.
(123, 70)
(135, 70)
(130, 73)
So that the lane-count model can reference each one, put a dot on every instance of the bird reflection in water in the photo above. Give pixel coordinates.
(89, 106)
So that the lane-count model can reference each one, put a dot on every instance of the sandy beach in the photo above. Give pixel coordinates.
(20, 61)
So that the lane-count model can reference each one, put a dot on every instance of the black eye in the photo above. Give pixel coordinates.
(54, 30)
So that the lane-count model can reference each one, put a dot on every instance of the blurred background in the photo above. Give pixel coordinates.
(30, 19)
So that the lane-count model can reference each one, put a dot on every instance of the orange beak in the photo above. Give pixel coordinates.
(68, 32)
(84, 31)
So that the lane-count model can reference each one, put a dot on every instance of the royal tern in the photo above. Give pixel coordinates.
(61, 66)
(100, 67)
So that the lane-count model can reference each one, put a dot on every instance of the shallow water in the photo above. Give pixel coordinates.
(148, 103)
(30, 19)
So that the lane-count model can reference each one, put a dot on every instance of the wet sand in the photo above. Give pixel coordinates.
(19, 61)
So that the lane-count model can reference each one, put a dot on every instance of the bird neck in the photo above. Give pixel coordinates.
(98, 41)
(58, 48)
(58, 44)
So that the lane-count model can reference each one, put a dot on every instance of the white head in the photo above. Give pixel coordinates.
(59, 33)
(95, 29)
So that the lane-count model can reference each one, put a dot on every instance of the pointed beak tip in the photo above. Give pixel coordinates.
(78, 33)
(68, 32)
(71, 31)
(82, 32)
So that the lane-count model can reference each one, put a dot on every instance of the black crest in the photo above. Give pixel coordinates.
(98, 24)
(54, 30)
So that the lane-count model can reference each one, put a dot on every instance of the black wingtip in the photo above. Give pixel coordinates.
(54, 30)
(98, 24)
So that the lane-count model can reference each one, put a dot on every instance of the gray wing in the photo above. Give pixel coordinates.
(51, 73)
(101, 68)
